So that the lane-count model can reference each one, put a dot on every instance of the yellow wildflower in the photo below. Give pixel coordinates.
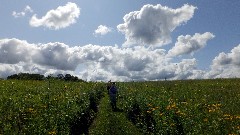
(178, 112)
(31, 110)
(184, 103)
(173, 105)
(148, 111)
(211, 110)
(237, 117)
(168, 107)
(182, 114)
(238, 127)
(53, 132)
(172, 124)
(44, 106)
(229, 118)
(226, 115)
(205, 119)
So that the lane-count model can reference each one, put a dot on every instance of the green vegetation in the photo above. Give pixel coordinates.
(163, 107)
(112, 123)
(183, 107)
(43, 107)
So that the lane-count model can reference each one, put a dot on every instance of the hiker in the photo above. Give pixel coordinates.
(113, 96)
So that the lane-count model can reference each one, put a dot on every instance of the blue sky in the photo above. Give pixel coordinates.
(177, 39)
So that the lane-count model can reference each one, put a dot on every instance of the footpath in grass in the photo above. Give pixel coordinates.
(108, 122)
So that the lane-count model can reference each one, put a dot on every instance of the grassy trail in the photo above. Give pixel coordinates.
(108, 122)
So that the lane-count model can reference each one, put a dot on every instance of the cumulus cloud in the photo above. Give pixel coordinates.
(14, 51)
(98, 62)
(152, 25)
(57, 55)
(59, 18)
(232, 58)
(102, 30)
(226, 64)
(189, 44)
(26, 10)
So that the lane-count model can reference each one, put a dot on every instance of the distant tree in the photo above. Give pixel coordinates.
(14, 76)
(68, 77)
(37, 77)
(60, 76)
(50, 76)
(26, 76)
(75, 78)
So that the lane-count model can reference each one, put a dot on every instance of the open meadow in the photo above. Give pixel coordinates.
(183, 107)
(47, 107)
(161, 107)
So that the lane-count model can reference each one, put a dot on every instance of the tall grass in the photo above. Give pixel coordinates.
(43, 107)
(183, 107)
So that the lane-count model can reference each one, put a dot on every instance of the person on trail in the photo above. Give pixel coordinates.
(113, 96)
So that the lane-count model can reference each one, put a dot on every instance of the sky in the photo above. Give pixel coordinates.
(121, 40)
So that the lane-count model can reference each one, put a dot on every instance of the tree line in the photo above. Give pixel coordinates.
(28, 76)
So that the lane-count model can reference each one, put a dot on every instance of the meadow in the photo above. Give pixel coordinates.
(183, 107)
(159, 107)
(47, 107)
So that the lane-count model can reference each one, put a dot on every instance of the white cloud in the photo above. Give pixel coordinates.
(185, 68)
(99, 62)
(152, 25)
(190, 44)
(232, 58)
(26, 10)
(102, 30)
(226, 64)
(108, 62)
(59, 18)
(14, 51)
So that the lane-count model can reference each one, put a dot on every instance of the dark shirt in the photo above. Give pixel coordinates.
(113, 90)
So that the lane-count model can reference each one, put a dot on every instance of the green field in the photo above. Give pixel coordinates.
(162, 107)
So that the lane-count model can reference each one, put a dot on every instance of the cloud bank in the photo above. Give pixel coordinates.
(152, 25)
(59, 18)
(101, 62)
(108, 62)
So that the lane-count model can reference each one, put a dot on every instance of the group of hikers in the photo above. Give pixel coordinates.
(112, 91)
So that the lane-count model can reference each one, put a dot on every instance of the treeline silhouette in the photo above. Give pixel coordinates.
(28, 76)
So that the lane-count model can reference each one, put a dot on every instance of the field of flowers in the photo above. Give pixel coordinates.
(162, 107)
(183, 107)
(47, 107)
